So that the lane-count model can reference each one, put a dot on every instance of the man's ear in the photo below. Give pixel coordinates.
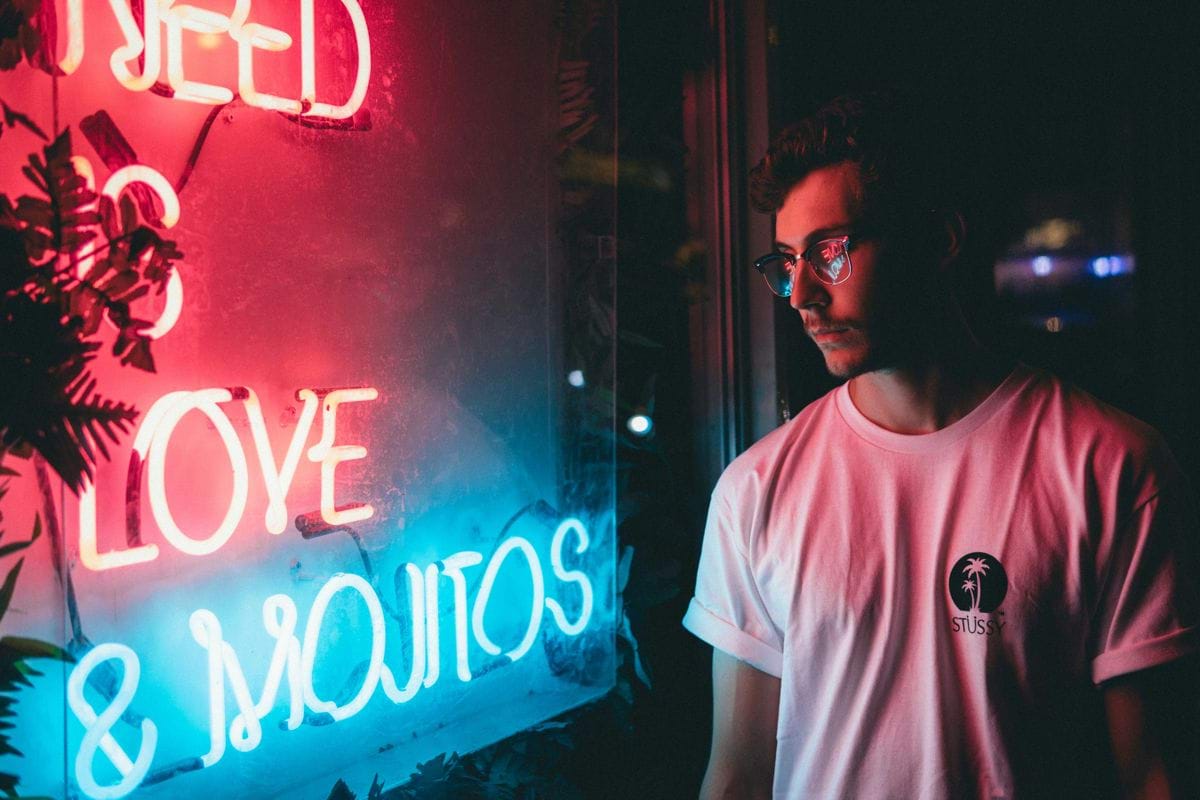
(952, 228)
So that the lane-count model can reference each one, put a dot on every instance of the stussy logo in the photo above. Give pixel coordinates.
(978, 585)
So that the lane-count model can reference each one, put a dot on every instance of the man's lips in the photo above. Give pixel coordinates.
(822, 335)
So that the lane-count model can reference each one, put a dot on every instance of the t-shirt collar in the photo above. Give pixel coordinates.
(1009, 388)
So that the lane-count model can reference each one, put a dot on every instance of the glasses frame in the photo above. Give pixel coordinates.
(761, 262)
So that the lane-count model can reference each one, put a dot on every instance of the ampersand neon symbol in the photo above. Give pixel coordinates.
(99, 726)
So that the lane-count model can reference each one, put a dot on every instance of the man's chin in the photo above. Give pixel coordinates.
(843, 371)
(846, 363)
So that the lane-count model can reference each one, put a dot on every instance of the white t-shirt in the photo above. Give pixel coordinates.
(938, 606)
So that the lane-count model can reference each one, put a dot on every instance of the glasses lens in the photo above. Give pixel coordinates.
(777, 268)
(831, 261)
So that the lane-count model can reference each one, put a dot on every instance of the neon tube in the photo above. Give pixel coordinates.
(196, 20)
(74, 55)
(279, 619)
(251, 37)
(206, 630)
(245, 732)
(329, 511)
(296, 660)
(312, 631)
(279, 479)
(308, 69)
(362, 77)
(433, 662)
(330, 456)
(139, 173)
(136, 45)
(259, 37)
(485, 593)
(83, 168)
(99, 726)
(151, 420)
(416, 609)
(570, 576)
(153, 179)
(88, 552)
(204, 401)
(137, 461)
(452, 568)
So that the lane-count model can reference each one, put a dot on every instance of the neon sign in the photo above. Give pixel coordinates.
(149, 456)
(144, 43)
(154, 433)
(294, 660)
(310, 561)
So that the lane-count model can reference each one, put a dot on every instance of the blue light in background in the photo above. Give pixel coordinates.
(1042, 266)
(1107, 266)
(575, 378)
(640, 425)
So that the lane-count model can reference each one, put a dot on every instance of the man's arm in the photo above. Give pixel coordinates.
(745, 713)
(1154, 728)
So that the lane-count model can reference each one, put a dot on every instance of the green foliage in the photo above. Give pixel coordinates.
(342, 792)
(50, 315)
(19, 36)
(14, 119)
(49, 320)
(16, 651)
(555, 760)
(444, 778)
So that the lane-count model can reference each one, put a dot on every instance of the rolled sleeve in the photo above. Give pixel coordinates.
(728, 638)
(1149, 608)
(727, 610)
(1145, 654)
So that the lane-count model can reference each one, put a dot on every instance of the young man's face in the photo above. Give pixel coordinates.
(860, 325)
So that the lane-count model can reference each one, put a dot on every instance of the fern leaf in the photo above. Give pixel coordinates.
(23, 648)
(10, 585)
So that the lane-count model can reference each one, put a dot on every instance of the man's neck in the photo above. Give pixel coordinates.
(930, 392)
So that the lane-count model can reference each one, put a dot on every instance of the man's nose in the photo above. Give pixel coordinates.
(807, 291)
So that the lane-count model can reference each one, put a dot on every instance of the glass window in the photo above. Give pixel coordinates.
(365, 513)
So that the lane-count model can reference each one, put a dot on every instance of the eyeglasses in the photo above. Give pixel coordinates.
(829, 260)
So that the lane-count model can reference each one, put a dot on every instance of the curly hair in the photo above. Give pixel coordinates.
(900, 147)
(916, 153)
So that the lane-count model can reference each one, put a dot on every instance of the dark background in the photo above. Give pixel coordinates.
(1084, 113)
(1087, 114)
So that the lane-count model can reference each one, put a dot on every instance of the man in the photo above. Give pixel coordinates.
(951, 576)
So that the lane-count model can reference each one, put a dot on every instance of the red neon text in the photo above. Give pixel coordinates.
(149, 457)
(146, 41)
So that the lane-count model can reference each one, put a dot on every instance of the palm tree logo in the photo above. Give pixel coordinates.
(976, 568)
(968, 589)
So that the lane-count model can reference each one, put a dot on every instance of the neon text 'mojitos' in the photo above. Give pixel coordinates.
(293, 655)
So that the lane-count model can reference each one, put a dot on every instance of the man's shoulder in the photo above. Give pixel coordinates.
(1062, 403)
(759, 462)
(1073, 420)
